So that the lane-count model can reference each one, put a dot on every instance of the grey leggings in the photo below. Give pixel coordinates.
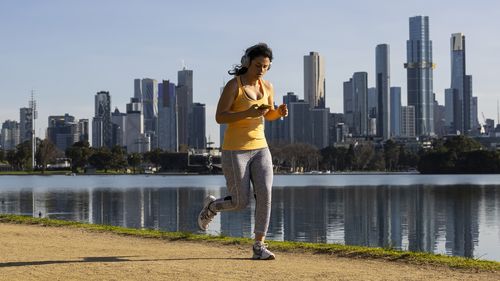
(241, 167)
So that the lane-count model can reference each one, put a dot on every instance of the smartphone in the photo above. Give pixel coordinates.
(264, 106)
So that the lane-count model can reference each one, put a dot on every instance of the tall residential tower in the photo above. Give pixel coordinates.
(314, 80)
(419, 68)
(101, 123)
(382, 81)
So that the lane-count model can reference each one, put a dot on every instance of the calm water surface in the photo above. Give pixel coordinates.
(453, 215)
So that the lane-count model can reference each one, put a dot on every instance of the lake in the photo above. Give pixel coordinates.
(448, 214)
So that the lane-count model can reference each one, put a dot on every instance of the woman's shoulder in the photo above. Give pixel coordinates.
(232, 83)
(267, 85)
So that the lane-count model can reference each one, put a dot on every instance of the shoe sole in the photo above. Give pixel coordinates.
(205, 205)
(260, 258)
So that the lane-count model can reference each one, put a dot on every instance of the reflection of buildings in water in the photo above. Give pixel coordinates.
(490, 203)
(358, 215)
(462, 226)
(132, 207)
(173, 209)
(168, 209)
(381, 235)
(395, 218)
(376, 216)
(190, 202)
(80, 208)
(149, 208)
(64, 205)
(40, 208)
(237, 223)
(276, 225)
(17, 202)
(305, 214)
(421, 221)
(335, 215)
(373, 216)
(108, 206)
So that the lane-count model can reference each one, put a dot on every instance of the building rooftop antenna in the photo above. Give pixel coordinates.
(183, 64)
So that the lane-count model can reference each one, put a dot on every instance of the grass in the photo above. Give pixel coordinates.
(419, 258)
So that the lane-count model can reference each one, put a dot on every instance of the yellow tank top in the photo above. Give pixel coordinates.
(248, 133)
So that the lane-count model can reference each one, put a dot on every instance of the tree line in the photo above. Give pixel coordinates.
(83, 156)
(362, 156)
(457, 154)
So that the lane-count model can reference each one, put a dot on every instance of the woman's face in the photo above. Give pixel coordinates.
(259, 66)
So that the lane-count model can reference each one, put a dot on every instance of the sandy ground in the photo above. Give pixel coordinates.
(50, 253)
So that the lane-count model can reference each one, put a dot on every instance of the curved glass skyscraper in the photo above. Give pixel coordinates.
(419, 68)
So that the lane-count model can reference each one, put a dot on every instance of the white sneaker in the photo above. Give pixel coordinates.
(206, 215)
(260, 252)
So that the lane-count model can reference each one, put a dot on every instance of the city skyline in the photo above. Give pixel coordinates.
(67, 59)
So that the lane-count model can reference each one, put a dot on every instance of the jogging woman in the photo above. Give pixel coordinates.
(246, 101)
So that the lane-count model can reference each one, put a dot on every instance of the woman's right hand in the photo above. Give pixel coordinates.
(254, 111)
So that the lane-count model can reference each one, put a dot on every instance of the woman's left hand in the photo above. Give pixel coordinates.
(283, 110)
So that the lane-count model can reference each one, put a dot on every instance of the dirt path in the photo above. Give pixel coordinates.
(50, 253)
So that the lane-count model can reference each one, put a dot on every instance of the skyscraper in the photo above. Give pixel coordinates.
(448, 105)
(461, 86)
(167, 117)
(101, 123)
(335, 135)
(150, 104)
(469, 111)
(408, 121)
(9, 136)
(372, 102)
(314, 80)
(184, 92)
(198, 128)
(419, 69)
(319, 132)
(62, 131)
(83, 130)
(457, 46)
(288, 99)
(439, 119)
(137, 140)
(25, 124)
(395, 111)
(475, 122)
(300, 122)
(348, 104)
(274, 131)
(382, 80)
(138, 89)
(360, 103)
(119, 120)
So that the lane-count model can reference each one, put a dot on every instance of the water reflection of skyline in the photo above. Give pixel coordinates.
(447, 220)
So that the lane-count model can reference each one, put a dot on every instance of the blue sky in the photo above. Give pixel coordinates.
(68, 50)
